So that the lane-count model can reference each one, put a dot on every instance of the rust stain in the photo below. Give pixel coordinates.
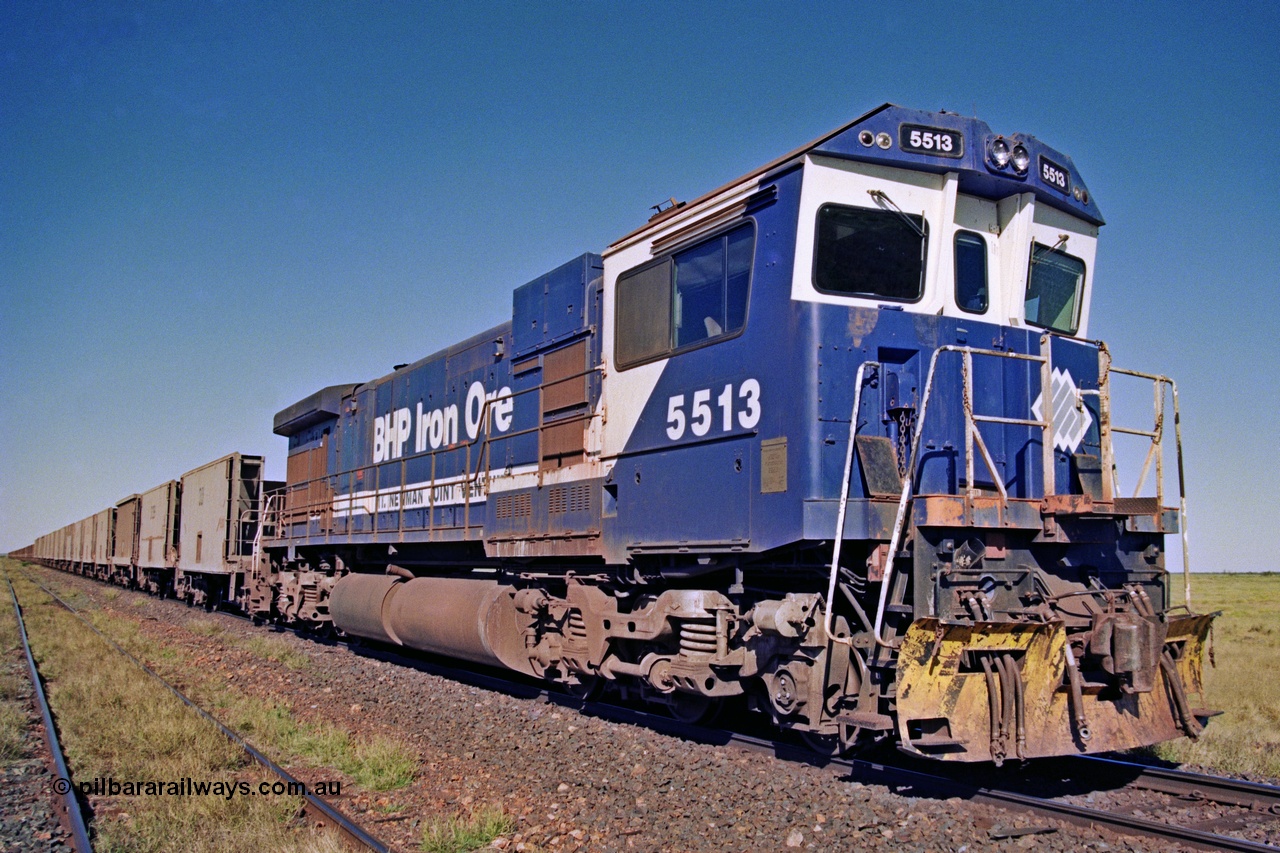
(862, 322)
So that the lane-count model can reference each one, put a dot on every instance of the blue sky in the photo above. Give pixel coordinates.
(210, 210)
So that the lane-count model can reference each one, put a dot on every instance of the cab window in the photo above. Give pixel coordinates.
(873, 253)
(685, 300)
(971, 272)
(1053, 289)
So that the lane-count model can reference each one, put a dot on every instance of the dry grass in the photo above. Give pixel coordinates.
(376, 763)
(118, 723)
(277, 649)
(1245, 683)
(205, 627)
(467, 833)
(13, 714)
(262, 645)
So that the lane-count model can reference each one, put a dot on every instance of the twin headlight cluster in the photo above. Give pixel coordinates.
(1002, 155)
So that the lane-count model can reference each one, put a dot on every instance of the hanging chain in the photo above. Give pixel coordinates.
(905, 419)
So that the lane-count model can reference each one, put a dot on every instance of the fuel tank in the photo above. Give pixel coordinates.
(472, 620)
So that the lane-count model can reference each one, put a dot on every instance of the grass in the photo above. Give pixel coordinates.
(13, 714)
(1244, 683)
(263, 645)
(205, 627)
(278, 649)
(119, 723)
(466, 834)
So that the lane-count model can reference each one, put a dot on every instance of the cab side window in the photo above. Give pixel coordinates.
(971, 272)
(686, 299)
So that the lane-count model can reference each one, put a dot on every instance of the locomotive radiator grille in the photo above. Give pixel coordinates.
(512, 506)
(563, 499)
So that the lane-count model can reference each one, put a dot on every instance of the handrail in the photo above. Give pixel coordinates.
(477, 450)
(1156, 452)
(1046, 426)
(829, 618)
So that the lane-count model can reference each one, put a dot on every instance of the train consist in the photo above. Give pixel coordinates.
(830, 443)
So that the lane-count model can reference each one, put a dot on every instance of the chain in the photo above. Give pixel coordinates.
(905, 418)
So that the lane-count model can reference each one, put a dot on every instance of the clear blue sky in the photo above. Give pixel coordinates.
(210, 210)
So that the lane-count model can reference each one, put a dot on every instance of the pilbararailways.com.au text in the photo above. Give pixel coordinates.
(188, 787)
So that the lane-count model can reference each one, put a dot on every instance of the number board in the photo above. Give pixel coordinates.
(1055, 176)
(934, 141)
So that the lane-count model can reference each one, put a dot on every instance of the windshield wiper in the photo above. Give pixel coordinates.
(892, 206)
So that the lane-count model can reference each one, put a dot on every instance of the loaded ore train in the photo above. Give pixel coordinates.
(829, 442)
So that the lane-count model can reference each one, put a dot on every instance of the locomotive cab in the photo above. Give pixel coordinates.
(872, 353)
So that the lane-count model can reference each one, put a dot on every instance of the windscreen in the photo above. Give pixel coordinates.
(1053, 289)
(874, 253)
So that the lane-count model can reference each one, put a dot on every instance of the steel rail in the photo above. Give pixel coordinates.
(70, 805)
(348, 827)
(897, 778)
(1256, 796)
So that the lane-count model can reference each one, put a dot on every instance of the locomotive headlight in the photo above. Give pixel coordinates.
(884, 140)
(867, 138)
(998, 153)
(1021, 159)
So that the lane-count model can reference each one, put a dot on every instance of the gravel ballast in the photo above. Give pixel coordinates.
(571, 781)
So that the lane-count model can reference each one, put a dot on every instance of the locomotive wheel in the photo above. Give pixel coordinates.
(694, 710)
(825, 745)
(587, 688)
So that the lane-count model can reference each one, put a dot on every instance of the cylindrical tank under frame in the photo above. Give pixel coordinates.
(469, 619)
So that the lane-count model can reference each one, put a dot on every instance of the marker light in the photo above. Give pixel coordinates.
(884, 140)
(867, 138)
(998, 153)
(1021, 159)
(1075, 191)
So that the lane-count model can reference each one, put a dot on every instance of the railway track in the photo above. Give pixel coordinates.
(317, 808)
(1255, 796)
(69, 812)
(905, 776)
(1057, 799)
(906, 779)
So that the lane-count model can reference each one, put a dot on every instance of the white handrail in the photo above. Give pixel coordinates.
(844, 502)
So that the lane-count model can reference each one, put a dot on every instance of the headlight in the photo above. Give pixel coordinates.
(1021, 159)
(884, 140)
(867, 138)
(998, 153)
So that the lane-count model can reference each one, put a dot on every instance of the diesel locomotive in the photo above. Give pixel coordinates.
(830, 443)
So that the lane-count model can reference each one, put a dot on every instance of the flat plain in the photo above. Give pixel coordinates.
(1242, 677)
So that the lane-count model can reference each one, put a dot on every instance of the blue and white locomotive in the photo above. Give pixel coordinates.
(829, 441)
